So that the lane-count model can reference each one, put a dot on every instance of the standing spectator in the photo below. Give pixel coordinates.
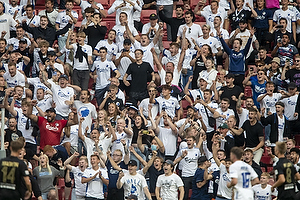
(11, 133)
(32, 20)
(98, 8)
(13, 77)
(289, 15)
(49, 12)
(278, 32)
(82, 59)
(173, 22)
(133, 183)
(110, 45)
(248, 158)
(151, 27)
(280, 127)
(95, 177)
(254, 134)
(287, 174)
(96, 31)
(242, 176)
(293, 74)
(127, 7)
(167, 9)
(139, 71)
(201, 180)
(19, 174)
(222, 113)
(285, 51)
(168, 183)
(6, 22)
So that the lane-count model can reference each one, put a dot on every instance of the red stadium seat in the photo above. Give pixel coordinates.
(267, 160)
(40, 3)
(166, 44)
(297, 139)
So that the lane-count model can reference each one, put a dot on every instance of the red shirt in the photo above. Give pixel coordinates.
(50, 131)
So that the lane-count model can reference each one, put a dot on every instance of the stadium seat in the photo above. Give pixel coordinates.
(166, 44)
(40, 3)
(248, 91)
(267, 160)
(297, 139)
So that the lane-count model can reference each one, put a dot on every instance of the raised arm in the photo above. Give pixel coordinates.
(80, 135)
(137, 156)
(10, 107)
(140, 142)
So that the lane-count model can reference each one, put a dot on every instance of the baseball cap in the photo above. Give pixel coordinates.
(224, 125)
(132, 163)
(292, 85)
(202, 159)
(203, 78)
(132, 197)
(51, 110)
(276, 59)
(23, 40)
(153, 16)
(127, 41)
(230, 75)
(64, 76)
(169, 162)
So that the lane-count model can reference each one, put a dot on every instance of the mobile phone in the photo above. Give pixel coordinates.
(146, 132)
(198, 96)
(279, 26)
(268, 110)
(153, 147)
(251, 69)
(163, 109)
(125, 50)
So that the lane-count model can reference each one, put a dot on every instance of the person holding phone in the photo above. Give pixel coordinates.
(278, 30)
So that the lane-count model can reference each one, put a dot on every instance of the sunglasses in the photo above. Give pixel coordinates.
(297, 60)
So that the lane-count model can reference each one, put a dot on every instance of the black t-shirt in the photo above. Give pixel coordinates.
(139, 74)
(153, 177)
(252, 133)
(12, 135)
(229, 92)
(287, 189)
(113, 174)
(146, 139)
(117, 101)
(268, 60)
(294, 76)
(12, 171)
(199, 66)
(237, 16)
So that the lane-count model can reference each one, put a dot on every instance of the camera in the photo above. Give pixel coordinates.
(163, 109)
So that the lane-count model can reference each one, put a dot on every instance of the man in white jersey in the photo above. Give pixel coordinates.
(263, 190)
(19, 36)
(6, 21)
(192, 30)
(101, 71)
(80, 188)
(13, 77)
(169, 183)
(126, 6)
(32, 20)
(112, 48)
(120, 28)
(85, 109)
(145, 45)
(243, 113)
(50, 12)
(242, 175)
(91, 3)
(223, 112)
(95, 177)
(44, 102)
(151, 27)
(133, 183)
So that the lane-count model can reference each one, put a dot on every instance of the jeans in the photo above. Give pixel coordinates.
(185, 78)
(187, 181)
(132, 157)
(267, 132)
(61, 44)
(99, 94)
(138, 96)
(81, 78)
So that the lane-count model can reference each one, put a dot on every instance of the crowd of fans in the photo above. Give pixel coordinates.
(118, 116)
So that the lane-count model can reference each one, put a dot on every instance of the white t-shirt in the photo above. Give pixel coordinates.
(94, 188)
(169, 186)
(281, 122)
(209, 16)
(44, 104)
(103, 145)
(244, 36)
(176, 77)
(86, 4)
(211, 41)
(134, 185)
(60, 95)
(169, 58)
(18, 79)
(147, 55)
(73, 139)
(170, 105)
(265, 194)
(112, 49)
(35, 20)
(164, 2)
(203, 114)
(120, 32)
(144, 104)
(124, 64)
(66, 51)
(128, 9)
(6, 21)
(117, 143)
(289, 106)
(224, 33)
(190, 161)
(194, 93)
(88, 111)
(289, 15)
(63, 19)
(209, 76)
(194, 31)
(51, 16)
(79, 187)
(188, 57)
(84, 64)
(36, 82)
(243, 116)
(22, 119)
(146, 28)
(227, 113)
(223, 190)
(269, 102)
(103, 70)
(169, 139)
(244, 174)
